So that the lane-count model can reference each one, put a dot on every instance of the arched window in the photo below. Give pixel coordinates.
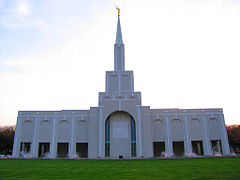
(177, 130)
(27, 133)
(196, 129)
(63, 131)
(214, 133)
(82, 131)
(158, 131)
(45, 131)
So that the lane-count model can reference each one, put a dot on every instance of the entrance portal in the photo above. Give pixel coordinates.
(62, 150)
(197, 147)
(120, 135)
(25, 148)
(43, 149)
(216, 146)
(82, 150)
(178, 148)
(158, 148)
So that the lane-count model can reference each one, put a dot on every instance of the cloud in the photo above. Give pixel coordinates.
(15, 14)
(183, 55)
(23, 8)
(62, 76)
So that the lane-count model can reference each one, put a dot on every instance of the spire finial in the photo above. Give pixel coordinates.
(118, 9)
(119, 32)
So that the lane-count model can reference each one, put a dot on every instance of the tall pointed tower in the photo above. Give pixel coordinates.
(119, 61)
(120, 109)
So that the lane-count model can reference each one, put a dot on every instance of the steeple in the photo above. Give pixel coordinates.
(119, 59)
(119, 32)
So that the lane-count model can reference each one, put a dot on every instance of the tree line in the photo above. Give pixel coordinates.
(7, 138)
(234, 137)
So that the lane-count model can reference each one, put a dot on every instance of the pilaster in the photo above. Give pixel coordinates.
(168, 142)
(72, 151)
(100, 133)
(53, 145)
(187, 141)
(139, 128)
(17, 138)
(224, 136)
(206, 140)
(34, 147)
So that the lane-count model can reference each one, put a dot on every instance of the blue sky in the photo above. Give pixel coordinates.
(54, 54)
(28, 26)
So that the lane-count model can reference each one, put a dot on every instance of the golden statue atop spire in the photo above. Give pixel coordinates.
(118, 9)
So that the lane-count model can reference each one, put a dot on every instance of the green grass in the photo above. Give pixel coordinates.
(212, 168)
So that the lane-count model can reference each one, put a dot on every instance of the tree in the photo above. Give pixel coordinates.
(234, 137)
(6, 139)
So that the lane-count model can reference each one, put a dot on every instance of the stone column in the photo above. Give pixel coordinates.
(199, 148)
(218, 147)
(23, 146)
(187, 141)
(17, 138)
(34, 146)
(72, 151)
(42, 150)
(53, 145)
(206, 140)
(224, 136)
(168, 142)
(100, 133)
(139, 132)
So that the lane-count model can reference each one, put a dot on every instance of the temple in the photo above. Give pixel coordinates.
(120, 126)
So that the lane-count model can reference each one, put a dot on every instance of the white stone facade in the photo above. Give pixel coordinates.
(120, 125)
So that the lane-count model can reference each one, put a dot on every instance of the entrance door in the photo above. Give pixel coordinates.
(158, 148)
(82, 150)
(62, 150)
(120, 135)
(178, 148)
(43, 149)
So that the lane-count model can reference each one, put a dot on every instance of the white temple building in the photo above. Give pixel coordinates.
(120, 126)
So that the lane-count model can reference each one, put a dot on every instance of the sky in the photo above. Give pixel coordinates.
(54, 54)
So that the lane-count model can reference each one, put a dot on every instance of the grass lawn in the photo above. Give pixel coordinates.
(212, 168)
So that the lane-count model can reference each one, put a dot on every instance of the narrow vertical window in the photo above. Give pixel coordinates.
(107, 138)
(133, 138)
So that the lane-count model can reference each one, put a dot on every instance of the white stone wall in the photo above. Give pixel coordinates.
(190, 125)
(152, 125)
(51, 127)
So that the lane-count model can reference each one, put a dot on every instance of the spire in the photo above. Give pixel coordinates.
(119, 31)
(119, 48)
